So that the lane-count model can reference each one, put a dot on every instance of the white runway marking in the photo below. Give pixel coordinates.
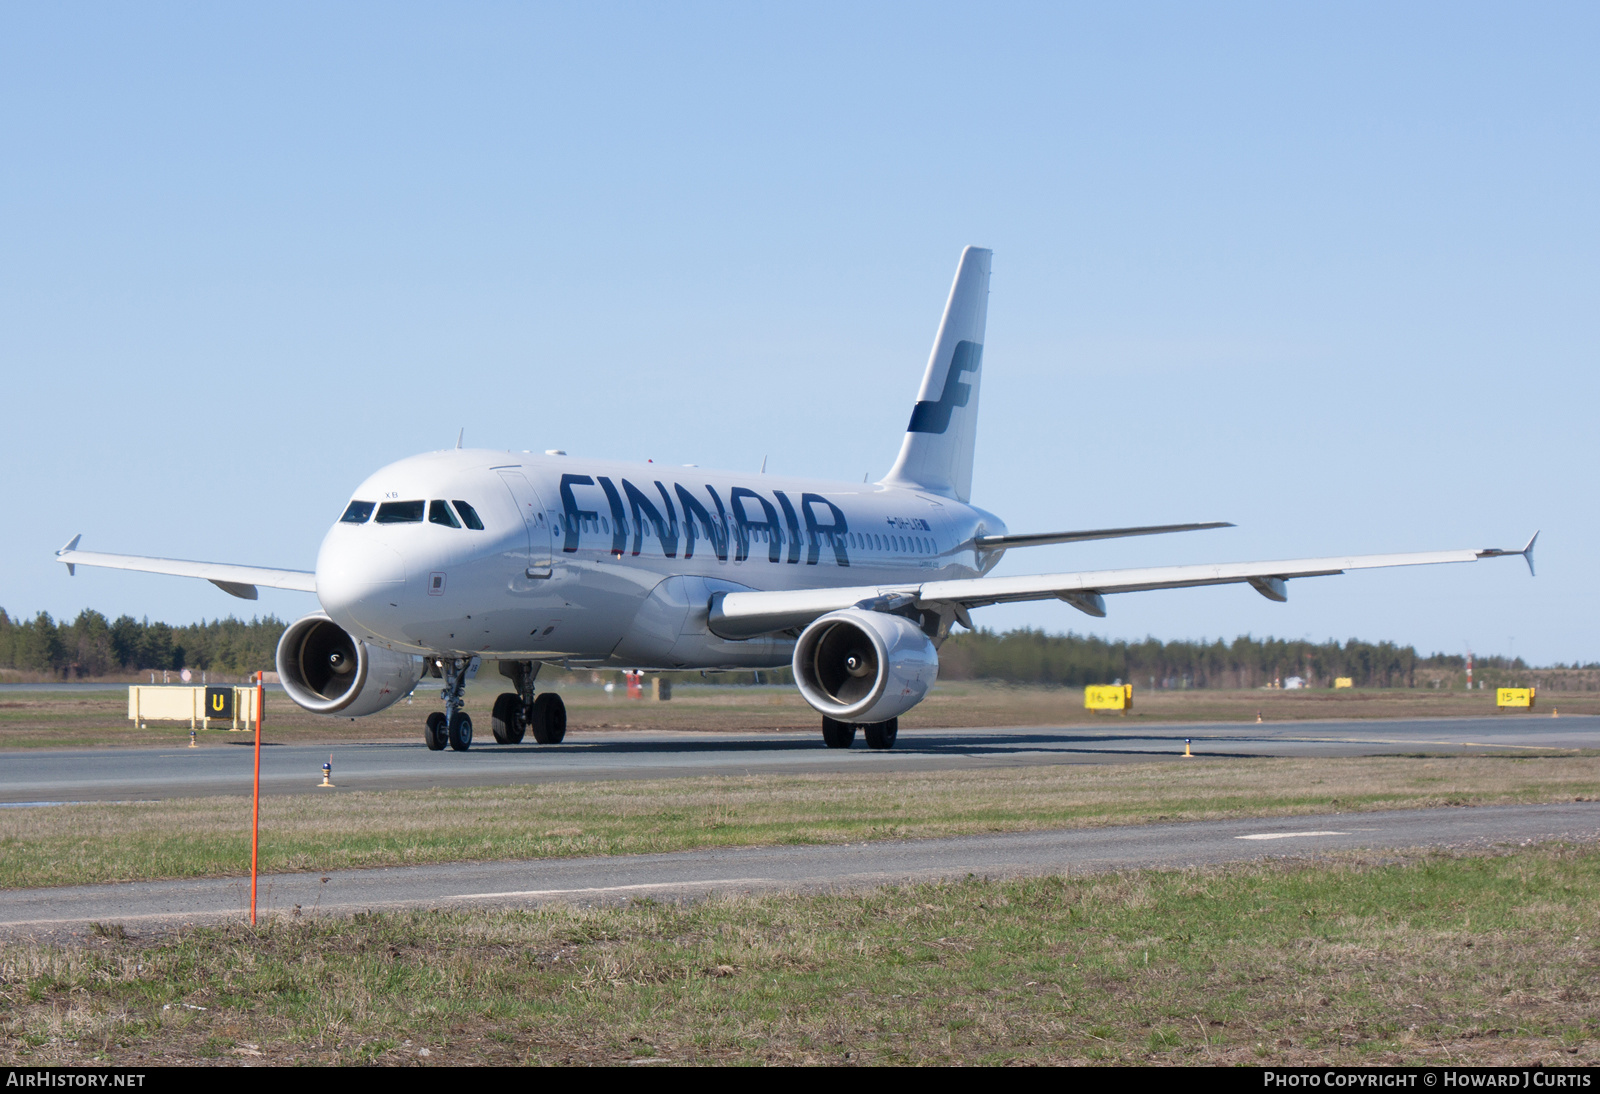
(1289, 835)
(716, 883)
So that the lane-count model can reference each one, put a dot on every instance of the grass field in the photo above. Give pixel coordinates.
(1352, 959)
(82, 719)
(76, 844)
(1439, 959)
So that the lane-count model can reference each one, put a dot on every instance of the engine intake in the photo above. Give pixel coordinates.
(861, 666)
(327, 671)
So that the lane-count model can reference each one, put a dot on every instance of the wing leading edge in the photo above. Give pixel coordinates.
(745, 615)
(240, 581)
(1041, 539)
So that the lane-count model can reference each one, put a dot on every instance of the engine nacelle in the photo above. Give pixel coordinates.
(860, 666)
(327, 671)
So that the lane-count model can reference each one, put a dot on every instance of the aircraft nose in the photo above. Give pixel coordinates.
(356, 580)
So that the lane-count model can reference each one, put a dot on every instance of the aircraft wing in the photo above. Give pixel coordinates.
(746, 614)
(240, 581)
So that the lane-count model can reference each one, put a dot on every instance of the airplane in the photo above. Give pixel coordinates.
(444, 560)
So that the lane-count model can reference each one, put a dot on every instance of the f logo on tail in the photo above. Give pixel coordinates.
(934, 417)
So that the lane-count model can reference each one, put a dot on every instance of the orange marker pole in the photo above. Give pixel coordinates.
(255, 812)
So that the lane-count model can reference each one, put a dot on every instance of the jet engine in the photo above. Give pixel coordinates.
(861, 666)
(327, 671)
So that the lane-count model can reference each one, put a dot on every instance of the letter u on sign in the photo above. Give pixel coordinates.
(219, 703)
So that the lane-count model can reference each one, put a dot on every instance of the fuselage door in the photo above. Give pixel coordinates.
(540, 533)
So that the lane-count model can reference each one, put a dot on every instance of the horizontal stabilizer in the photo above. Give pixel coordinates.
(1040, 539)
(240, 581)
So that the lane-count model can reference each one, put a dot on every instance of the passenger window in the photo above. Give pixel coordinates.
(401, 512)
(469, 516)
(357, 513)
(439, 513)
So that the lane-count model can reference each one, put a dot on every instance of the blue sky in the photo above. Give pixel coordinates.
(1325, 271)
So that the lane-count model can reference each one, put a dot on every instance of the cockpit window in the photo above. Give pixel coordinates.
(439, 513)
(401, 512)
(358, 513)
(469, 516)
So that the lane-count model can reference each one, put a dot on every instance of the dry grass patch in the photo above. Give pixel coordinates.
(1440, 959)
(76, 844)
(81, 719)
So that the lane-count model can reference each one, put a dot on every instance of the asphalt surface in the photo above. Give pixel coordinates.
(226, 768)
(693, 874)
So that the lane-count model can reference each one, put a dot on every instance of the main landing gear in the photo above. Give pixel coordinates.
(519, 712)
(515, 713)
(836, 734)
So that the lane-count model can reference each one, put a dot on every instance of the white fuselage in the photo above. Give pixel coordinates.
(596, 562)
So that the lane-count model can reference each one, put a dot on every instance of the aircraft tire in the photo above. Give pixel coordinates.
(881, 734)
(459, 730)
(507, 721)
(433, 732)
(837, 734)
(548, 718)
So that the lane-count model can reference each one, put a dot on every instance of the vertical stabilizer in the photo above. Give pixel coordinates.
(936, 454)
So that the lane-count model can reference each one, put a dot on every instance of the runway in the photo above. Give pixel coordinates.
(226, 767)
(764, 869)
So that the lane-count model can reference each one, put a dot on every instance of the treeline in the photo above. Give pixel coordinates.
(92, 645)
(1035, 657)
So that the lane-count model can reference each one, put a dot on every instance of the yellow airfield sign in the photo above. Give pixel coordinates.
(1108, 697)
(1515, 697)
(1343, 682)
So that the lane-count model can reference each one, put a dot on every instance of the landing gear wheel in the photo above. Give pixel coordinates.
(836, 734)
(548, 718)
(881, 734)
(433, 731)
(459, 730)
(507, 720)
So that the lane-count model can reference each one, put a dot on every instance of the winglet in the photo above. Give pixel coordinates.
(1526, 553)
(72, 545)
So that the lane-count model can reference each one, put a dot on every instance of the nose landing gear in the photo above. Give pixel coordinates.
(459, 730)
(454, 726)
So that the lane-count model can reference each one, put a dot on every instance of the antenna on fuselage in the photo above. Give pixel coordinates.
(463, 433)
(763, 465)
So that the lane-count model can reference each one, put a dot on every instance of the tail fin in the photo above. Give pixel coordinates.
(936, 455)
